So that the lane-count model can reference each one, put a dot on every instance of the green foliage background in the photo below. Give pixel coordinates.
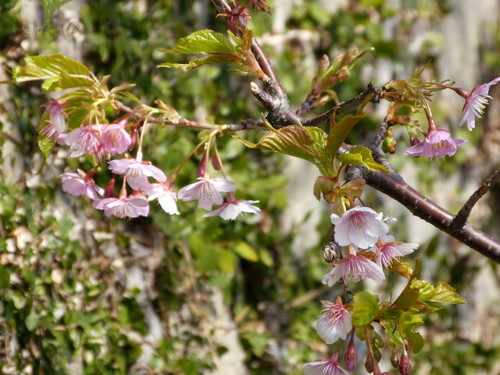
(64, 302)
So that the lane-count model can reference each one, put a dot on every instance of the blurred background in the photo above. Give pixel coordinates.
(83, 294)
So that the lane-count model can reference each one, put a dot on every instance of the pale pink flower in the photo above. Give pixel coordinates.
(50, 131)
(115, 138)
(232, 208)
(79, 184)
(137, 172)
(123, 207)
(334, 323)
(207, 191)
(476, 102)
(166, 197)
(389, 251)
(354, 268)
(87, 140)
(438, 142)
(328, 367)
(360, 226)
(57, 116)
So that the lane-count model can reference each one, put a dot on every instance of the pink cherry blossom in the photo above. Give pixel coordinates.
(334, 323)
(354, 268)
(137, 172)
(360, 226)
(391, 250)
(438, 142)
(115, 138)
(79, 184)
(51, 132)
(57, 116)
(207, 191)
(87, 140)
(166, 197)
(328, 367)
(476, 102)
(123, 207)
(232, 208)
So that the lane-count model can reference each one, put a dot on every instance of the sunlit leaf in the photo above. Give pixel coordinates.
(365, 308)
(360, 155)
(442, 292)
(58, 71)
(340, 130)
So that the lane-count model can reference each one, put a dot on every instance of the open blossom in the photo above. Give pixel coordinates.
(123, 207)
(86, 140)
(334, 323)
(57, 116)
(391, 250)
(232, 208)
(328, 367)
(438, 142)
(166, 197)
(137, 172)
(476, 102)
(75, 184)
(360, 226)
(207, 191)
(115, 138)
(354, 268)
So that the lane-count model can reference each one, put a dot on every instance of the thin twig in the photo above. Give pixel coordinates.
(344, 106)
(462, 216)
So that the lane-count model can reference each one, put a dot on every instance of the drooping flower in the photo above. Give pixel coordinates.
(207, 191)
(328, 367)
(57, 116)
(360, 226)
(137, 172)
(334, 323)
(389, 251)
(87, 140)
(438, 142)
(166, 197)
(51, 132)
(115, 138)
(233, 207)
(354, 268)
(475, 103)
(133, 206)
(80, 184)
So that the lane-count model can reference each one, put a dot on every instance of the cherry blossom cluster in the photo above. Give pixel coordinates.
(103, 141)
(438, 142)
(370, 249)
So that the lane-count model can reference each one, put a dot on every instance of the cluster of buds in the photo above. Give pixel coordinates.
(104, 141)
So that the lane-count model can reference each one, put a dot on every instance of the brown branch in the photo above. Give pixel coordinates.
(462, 216)
(421, 206)
(344, 106)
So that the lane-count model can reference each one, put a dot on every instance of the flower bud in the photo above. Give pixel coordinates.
(404, 364)
(351, 356)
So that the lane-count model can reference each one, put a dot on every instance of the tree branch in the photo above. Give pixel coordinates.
(421, 206)
(462, 216)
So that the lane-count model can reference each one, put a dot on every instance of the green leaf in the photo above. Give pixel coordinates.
(244, 250)
(45, 144)
(360, 155)
(203, 41)
(219, 49)
(50, 6)
(442, 292)
(295, 140)
(58, 71)
(340, 130)
(365, 308)
(31, 320)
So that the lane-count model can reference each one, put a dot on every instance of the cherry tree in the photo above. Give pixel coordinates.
(107, 125)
